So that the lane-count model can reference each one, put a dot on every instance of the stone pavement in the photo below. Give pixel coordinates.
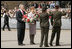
(9, 39)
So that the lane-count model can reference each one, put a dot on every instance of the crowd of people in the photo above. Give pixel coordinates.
(51, 4)
(10, 11)
(48, 4)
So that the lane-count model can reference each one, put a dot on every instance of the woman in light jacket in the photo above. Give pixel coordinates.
(32, 26)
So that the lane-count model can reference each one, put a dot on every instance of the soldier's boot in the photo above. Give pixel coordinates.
(46, 39)
(46, 44)
(58, 37)
(41, 43)
(52, 38)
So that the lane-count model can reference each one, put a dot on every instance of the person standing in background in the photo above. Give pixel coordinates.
(6, 20)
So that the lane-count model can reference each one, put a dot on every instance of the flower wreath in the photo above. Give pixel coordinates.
(30, 20)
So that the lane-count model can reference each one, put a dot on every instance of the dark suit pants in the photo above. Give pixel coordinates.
(7, 26)
(20, 35)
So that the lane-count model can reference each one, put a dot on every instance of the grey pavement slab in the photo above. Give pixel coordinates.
(9, 39)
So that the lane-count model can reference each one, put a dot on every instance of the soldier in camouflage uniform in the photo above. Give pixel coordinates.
(44, 24)
(56, 23)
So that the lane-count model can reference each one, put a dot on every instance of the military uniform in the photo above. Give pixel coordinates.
(56, 23)
(44, 24)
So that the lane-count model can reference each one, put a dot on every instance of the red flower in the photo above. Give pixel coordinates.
(25, 16)
(28, 20)
(38, 15)
(50, 17)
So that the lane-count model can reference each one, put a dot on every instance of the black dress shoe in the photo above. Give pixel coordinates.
(3, 30)
(32, 43)
(58, 45)
(9, 30)
(21, 44)
(40, 45)
(51, 44)
(46, 46)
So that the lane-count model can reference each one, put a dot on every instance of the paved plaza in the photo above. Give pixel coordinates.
(9, 39)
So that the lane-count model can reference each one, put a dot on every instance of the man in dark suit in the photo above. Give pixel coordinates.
(20, 24)
(6, 20)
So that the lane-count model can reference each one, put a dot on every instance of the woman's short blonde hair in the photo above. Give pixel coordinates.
(32, 8)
